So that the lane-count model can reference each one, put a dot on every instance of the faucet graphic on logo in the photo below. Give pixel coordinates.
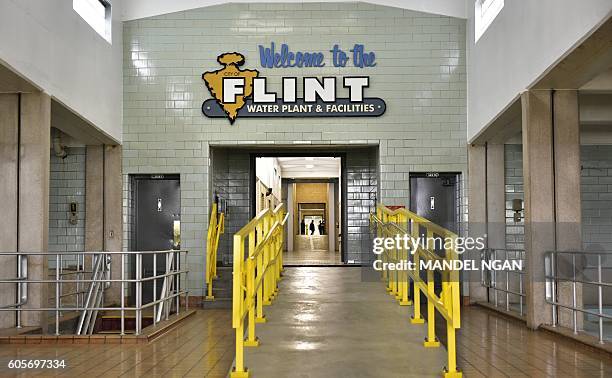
(231, 103)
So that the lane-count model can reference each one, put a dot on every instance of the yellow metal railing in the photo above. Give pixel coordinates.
(216, 227)
(392, 223)
(257, 270)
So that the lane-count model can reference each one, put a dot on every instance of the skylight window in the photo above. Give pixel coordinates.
(485, 12)
(97, 13)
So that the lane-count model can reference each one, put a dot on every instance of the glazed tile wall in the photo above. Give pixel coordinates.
(596, 188)
(66, 185)
(513, 180)
(420, 73)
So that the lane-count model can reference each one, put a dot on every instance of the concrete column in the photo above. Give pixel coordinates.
(9, 112)
(477, 214)
(34, 197)
(331, 221)
(567, 193)
(539, 200)
(113, 220)
(496, 201)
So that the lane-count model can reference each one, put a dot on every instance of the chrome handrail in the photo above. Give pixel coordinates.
(490, 280)
(87, 286)
(553, 278)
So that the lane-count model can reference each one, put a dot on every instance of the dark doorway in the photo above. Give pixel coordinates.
(157, 205)
(434, 196)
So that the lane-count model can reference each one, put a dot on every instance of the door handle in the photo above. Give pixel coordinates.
(159, 204)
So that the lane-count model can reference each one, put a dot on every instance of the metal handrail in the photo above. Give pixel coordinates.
(257, 271)
(489, 278)
(95, 280)
(390, 223)
(216, 227)
(552, 278)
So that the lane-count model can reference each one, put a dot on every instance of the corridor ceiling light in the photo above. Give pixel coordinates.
(309, 158)
(309, 166)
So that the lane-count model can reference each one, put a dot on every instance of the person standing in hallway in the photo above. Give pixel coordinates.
(302, 227)
(321, 228)
(312, 228)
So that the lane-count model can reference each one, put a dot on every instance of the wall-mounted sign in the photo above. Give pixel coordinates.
(243, 93)
(269, 57)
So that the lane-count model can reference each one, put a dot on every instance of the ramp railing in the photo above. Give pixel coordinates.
(428, 257)
(257, 270)
(216, 227)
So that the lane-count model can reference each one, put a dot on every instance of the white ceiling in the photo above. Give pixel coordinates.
(313, 167)
(135, 9)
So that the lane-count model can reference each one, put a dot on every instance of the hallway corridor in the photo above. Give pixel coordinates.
(327, 322)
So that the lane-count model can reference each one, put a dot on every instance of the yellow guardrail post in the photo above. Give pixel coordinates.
(250, 276)
(255, 277)
(239, 370)
(215, 229)
(391, 223)
(416, 293)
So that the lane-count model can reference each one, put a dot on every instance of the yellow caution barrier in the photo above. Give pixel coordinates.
(257, 270)
(400, 223)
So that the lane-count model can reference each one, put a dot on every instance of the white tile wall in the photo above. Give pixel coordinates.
(420, 73)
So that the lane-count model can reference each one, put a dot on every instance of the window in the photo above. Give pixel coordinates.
(485, 12)
(97, 13)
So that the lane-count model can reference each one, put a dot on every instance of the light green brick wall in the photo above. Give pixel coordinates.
(420, 73)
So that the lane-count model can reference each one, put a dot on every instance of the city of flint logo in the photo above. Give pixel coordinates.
(242, 81)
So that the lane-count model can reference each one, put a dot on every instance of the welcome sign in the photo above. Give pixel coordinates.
(243, 92)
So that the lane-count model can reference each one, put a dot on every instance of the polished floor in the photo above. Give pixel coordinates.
(311, 250)
(332, 324)
(490, 345)
(328, 322)
(202, 346)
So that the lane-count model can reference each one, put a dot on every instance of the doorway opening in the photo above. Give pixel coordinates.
(310, 187)
(348, 173)
(155, 221)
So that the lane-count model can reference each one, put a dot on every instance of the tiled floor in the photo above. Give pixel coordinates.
(493, 346)
(311, 250)
(202, 346)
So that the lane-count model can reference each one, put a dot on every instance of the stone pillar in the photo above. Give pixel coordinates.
(477, 214)
(539, 200)
(9, 113)
(567, 195)
(113, 221)
(34, 197)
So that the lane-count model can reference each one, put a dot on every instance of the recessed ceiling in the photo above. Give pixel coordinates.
(309, 167)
